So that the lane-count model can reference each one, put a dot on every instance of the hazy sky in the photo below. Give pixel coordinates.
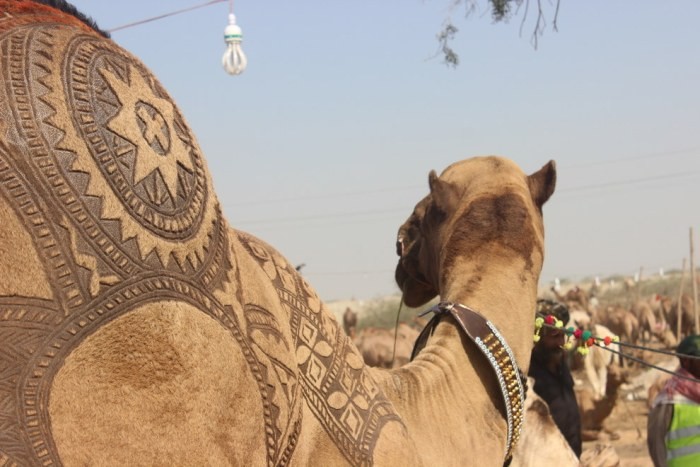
(322, 147)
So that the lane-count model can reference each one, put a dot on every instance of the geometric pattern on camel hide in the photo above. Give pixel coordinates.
(107, 206)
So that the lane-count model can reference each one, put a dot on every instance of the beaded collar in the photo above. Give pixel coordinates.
(486, 336)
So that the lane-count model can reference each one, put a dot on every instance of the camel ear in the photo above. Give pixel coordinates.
(542, 183)
(432, 180)
(442, 193)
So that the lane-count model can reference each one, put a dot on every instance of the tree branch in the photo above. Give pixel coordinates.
(501, 11)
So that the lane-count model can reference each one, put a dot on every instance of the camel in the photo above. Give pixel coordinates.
(377, 346)
(652, 323)
(687, 316)
(137, 327)
(349, 322)
(541, 442)
(600, 455)
(596, 364)
(575, 298)
(579, 319)
(595, 410)
(622, 322)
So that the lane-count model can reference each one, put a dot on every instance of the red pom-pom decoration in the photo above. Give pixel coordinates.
(607, 340)
(549, 319)
(590, 342)
(577, 333)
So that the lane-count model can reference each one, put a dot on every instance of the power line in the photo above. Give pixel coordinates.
(349, 273)
(164, 15)
(629, 182)
(321, 216)
(404, 209)
(328, 196)
(347, 194)
(634, 158)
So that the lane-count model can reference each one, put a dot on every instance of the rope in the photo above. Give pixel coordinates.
(396, 331)
(651, 365)
(626, 344)
(165, 15)
(638, 347)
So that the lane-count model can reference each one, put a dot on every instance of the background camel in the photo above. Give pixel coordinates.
(598, 361)
(594, 409)
(622, 323)
(139, 328)
(575, 298)
(685, 310)
(377, 345)
(349, 322)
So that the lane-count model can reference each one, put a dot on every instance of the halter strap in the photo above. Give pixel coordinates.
(485, 335)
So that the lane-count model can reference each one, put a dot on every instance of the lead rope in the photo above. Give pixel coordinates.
(396, 331)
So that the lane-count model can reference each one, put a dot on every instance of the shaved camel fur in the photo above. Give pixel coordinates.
(138, 328)
(541, 443)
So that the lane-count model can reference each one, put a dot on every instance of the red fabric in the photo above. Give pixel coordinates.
(681, 386)
(19, 12)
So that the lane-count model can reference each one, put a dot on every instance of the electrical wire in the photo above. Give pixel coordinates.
(165, 15)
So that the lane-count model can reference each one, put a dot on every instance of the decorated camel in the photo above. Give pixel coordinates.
(138, 328)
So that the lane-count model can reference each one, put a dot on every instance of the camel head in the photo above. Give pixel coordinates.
(476, 203)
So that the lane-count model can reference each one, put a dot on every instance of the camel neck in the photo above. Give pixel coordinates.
(445, 390)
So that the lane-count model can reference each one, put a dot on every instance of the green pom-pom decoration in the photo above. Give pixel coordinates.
(586, 335)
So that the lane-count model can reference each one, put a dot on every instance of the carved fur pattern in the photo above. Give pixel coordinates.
(104, 189)
(114, 198)
(339, 392)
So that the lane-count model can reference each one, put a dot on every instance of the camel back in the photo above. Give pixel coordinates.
(112, 237)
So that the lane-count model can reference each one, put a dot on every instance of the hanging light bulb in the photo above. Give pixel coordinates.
(234, 60)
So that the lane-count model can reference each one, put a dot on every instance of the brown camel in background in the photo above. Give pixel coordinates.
(349, 322)
(622, 323)
(595, 410)
(687, 315)
(377, 345)
(575, 298)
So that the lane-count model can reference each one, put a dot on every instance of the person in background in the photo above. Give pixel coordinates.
(673, 426)
(553, 380)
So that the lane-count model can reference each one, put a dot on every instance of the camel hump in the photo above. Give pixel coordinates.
(106, 206)
(96, 157)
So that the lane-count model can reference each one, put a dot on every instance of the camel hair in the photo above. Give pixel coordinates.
(137, 327)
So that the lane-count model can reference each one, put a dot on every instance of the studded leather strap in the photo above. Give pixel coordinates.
(495, 348)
